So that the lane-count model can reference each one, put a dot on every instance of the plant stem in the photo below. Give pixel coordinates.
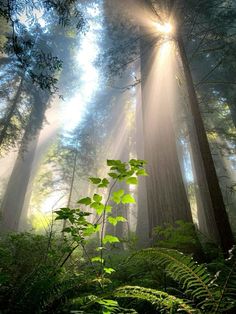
(103, 223)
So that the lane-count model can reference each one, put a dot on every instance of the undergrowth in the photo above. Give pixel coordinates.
(85, 271)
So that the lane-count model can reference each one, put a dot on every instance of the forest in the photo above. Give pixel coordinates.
(117, 156)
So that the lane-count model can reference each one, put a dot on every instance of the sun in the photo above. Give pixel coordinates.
(165, 28)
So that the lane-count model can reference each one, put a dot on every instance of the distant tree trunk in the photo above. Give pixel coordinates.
(166, 193)
(226, 174)
(142, 228)
(71, 186)
(9, 113)
(218, 207)
(13, 201)
(232, 108)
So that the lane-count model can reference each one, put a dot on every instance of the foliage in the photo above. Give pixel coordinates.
(46, 279)
(80, 228)
(50, 274)
(28, 273)
(201, 292)
(159, 299)
(182, 236)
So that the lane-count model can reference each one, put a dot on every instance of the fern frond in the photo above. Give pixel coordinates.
(227, 294)
(193, 277)
(160, 299)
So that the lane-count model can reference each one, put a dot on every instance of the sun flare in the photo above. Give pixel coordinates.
(165, 28)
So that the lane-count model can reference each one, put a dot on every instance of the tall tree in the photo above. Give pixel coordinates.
(39, 69)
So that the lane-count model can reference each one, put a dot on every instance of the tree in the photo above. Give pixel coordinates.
(40, 66)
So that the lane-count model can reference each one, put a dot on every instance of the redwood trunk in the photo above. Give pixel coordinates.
(219, 212)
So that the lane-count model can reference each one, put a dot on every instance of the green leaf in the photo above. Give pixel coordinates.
(108, 302)
(128, 199)
(99, 207)
(116, 199)
(85, 201)
(141, 172)
(109, 270)
(137, 162)
(119, 193)
(97, 259)
(110, 239)
(91, 229)
(114, 220)
(97, 198)
(95, 180)
(132, 180)
(121, 218)
(113, 175)
(104, 183)
(108, 208)
(116, 196)
(111, 162)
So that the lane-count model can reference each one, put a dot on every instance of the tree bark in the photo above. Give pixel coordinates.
(219, 212)
(14, 198)
(10, 113)
(166, 193)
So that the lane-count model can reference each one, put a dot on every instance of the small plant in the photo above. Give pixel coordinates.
(80, 228)
(200, 292)
(181, 236)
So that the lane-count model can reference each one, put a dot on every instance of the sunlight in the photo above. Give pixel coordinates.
(165, 28)
(72, 112)
(88, 51)
(36, 16)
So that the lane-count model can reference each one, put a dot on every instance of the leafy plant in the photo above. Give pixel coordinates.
(30, 272)
(181, 236)
(80, 228)
(200, 291)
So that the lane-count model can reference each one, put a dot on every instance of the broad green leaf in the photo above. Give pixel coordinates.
(112, 221)
(97, 198)
(111, 162)
(130, 173)
(119, 193)
(91, 229)
(116, 199)
(141, 172)
(95, 180)
(97, 259)
(104, 183)
(137, 162)
(99, 207)
(128, 199)
(109, 270)
(132, 180)
(116, 196)
(121, 218)
(85, 201)
(108, 208)
(113, 175)
(110, 239)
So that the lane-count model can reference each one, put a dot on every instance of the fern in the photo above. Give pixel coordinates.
(193, 277)
(160, 299)
(227, 287)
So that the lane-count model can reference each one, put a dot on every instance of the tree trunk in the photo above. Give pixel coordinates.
(166, 194)
(142, 228)
(218, 207)
(13, 201)
(10, 112)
